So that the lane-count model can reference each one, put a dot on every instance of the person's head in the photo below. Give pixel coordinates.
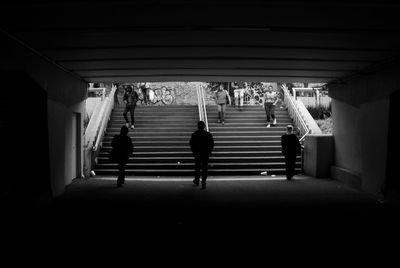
(124, 130)
(221, 87)
(289, 128)
(270, 88)
(201, 125)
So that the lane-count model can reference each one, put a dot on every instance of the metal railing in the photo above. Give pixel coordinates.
(202, 106)
(108, 106)
(294, 113)
(298, 120)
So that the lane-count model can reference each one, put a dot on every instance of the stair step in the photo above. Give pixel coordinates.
(254, 145)
(187, 159)
(218, 126)
(190, 172)
(177, 139)
(217, 148)
(167, 166)
(216, 135)
(175, 154)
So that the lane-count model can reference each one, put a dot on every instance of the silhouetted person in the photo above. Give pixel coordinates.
(130, 98)
(201, 144)
(222, 98)
(290, 149)
(122, 148)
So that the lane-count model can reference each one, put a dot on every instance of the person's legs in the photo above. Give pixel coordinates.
(147, 95)
(241, 97)
(287, 168)
(273, 115)
(236, 96)
(144, 95)
(132, 112)
(121, 174)
(219, 112)
(292, 165)
(125, 114)
(223, 109)
(268, 112)
(196, 180)
(290, 161)
(204, 173)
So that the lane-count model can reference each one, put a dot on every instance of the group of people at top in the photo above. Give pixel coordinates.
(222, 98)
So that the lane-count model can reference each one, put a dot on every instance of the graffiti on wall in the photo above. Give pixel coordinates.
(162, 96)
(157, 95)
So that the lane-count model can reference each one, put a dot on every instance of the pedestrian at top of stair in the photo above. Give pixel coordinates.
(270, 96)
(145, 88)
(270, 100)
(130, 98)
(222, 98)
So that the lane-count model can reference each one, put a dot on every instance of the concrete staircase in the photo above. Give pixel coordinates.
(243, 146)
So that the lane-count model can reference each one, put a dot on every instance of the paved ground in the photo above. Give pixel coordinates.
(236, 211)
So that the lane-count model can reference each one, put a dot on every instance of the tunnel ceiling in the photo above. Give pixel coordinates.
(282, 41)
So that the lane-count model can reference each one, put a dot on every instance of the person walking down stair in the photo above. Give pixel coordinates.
(145, 88)
(270, 100)
(222, 99)
(290, 149)
(122, 148)
(239, 89)
(201, 143)
(130, 98)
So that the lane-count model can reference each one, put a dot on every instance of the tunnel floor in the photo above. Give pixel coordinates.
(241, 211)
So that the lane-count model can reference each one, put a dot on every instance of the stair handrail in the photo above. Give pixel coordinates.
(108, 106)
(295, 114)
(203, 102)
(199, 106)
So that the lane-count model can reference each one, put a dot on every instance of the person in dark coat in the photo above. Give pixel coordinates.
(130, 98)
(122, 148)
(201, 144)
(290, 149)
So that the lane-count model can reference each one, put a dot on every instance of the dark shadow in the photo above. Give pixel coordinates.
(392, 185)
(25, 176)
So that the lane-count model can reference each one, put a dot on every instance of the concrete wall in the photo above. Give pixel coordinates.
(318, 155)
(360, 110)
(347, 132)
(374, 142)
(60, 139)
(66, 95)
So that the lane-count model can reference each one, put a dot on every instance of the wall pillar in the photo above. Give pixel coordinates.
(360, 110)
(318, 155)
